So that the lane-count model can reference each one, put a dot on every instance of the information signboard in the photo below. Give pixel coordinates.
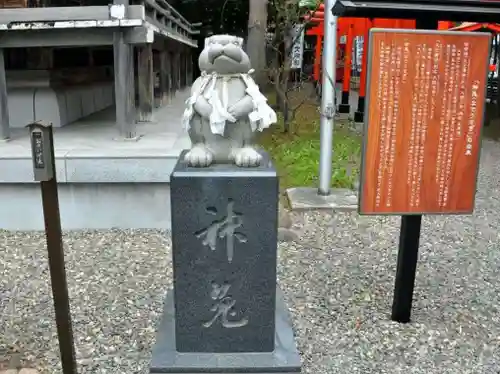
(425, 101)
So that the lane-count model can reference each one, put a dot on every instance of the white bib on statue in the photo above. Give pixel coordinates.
(260, 118)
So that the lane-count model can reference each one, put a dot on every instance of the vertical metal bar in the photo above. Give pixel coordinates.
(327, 99)
(409, 238)
(4, 104)
(53, 233)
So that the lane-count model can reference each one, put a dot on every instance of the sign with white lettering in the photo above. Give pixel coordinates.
(297, 52)
(38, 150)
(41, 151)
(425, 101)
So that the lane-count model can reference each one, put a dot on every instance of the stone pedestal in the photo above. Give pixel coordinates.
(225, 313)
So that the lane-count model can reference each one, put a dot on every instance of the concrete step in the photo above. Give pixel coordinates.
(104, 182)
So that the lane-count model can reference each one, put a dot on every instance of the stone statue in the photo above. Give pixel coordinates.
(226, 107)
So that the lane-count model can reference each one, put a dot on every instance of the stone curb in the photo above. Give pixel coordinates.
(305, 198)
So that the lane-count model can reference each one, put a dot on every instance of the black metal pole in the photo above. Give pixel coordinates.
(409, 238)
(50, 203)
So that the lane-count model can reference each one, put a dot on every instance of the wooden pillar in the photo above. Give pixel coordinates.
(164, 77)
(445, 25)
(170, 70)
(189, 68)
(145, 76)
(4, 104)
(192, 63)
(157, 94)
(173, 86)
(183, 70)
(171, 74)
(186, 67)
(124, 86)
(344, 106)
(178, 72)
(359, 115)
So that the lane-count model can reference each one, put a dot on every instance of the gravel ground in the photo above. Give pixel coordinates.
(338, 281)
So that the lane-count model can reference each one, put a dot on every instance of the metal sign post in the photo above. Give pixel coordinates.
(42, 146)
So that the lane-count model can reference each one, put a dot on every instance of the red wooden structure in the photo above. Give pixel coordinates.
(475, 26)
(348, 29)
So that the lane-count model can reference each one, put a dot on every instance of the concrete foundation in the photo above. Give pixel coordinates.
(104, 181)
(89, 206)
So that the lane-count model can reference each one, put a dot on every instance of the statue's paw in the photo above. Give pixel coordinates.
(247, 157)
(199, 157)
(202, 107)
(235, 112)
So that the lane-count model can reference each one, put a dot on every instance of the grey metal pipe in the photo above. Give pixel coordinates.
(328, 109)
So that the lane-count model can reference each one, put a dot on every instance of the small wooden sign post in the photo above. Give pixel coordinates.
(425, 100)
(44, 171)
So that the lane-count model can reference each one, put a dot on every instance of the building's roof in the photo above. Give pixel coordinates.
(447, 10)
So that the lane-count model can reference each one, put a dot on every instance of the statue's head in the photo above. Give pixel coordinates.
(224, 54)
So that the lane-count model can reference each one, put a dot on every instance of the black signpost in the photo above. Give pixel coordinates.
(427, 13)
(42, 145)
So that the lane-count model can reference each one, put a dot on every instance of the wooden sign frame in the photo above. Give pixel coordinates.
(372, 202)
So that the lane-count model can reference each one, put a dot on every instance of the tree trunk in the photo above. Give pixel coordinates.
(256, 43)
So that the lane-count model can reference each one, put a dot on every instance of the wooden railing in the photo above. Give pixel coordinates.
(165, 15)
(159, 13)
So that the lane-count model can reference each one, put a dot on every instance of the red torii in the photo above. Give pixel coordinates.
(350, 28)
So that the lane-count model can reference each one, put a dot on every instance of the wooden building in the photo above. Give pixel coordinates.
(63, 60)
(112, 79)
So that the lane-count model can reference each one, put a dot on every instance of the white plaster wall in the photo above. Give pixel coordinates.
(88, 206)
